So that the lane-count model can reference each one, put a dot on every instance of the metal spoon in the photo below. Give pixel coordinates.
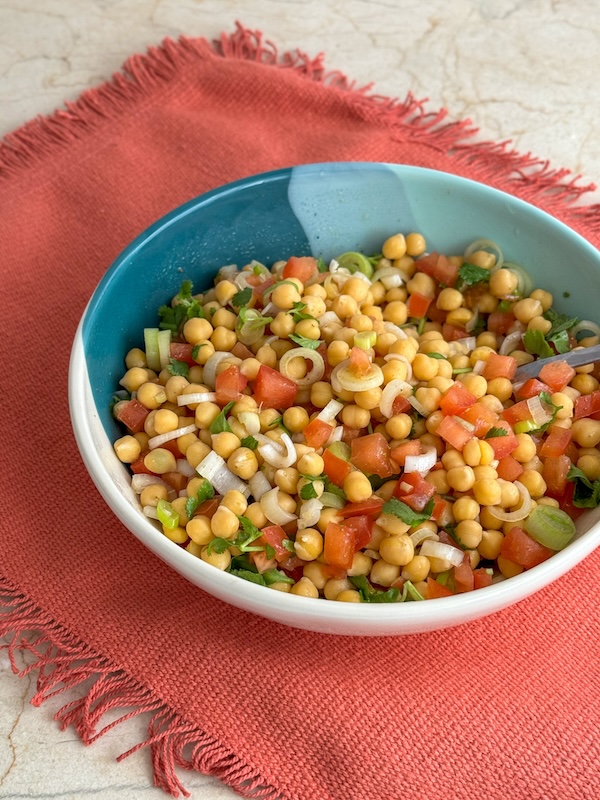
(575, 358)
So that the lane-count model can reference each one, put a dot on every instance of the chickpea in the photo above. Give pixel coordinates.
(369, 399)
(357, 289)
(348, 596)
(586, 432)
(309, 328)
(357, 487)
(235, 502)
(206, 414)
(287, 479)
(196, 453)
(384, 573)
(584, 383)
(344, 306)
(461, 478)
(526, 448)
(490, 544)
(286, 294)
(415, 244)
(528, 308)
(396, 312)
(166, 421)
(501, 388)
(152, 494)
(127, 449)
(160, 461)
(282, 325)
(533, 482)
(305, 588)
(452, 458)
(361, 564)
(469, 533)
(197, 330)
(177, 534)
(355, 417)
(394, 247)
(199, 530)
(243, 463)
(465, 508)
(219, 560)
(224, 523)
(223, 339)
(399, 426)
(308, 544)
(449, 299)
(476, 384)
(397, 550)
(391, 525)
(134, 378)
(590, 466)
(503, 283)
(151, 395)
(266, 355)
(311, 464)
(225, 290)
(135, 358)
(508, 568)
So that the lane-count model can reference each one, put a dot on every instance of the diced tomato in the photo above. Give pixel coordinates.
(139, 468)
(317, 433)
(368, 508)
(557, 374)
(509, 469)
(453, 432)
(371, 454)
(336, 468)
(481, 416)
(172, 447)
(500, 322)
(293, 566)
(303, 268)
(519, 412)
(441, 509)
(261, 561)
(586, 405)
(339, 546)
(175, 480)
(182, 351)
(208, 507)
(503, 445)
(400, 405)
(348, 434)
(274, 536)
(133, 415)
(240, 350)
(438, 267)
(229, 385)
(531, 388)
(259, 290)
(566, 501)
(555, 475)
(456, 399)
(414, 490)
(452, 333)
(436, 314)
(435, 589)
(481, 578)
(498, 366)
(360, 363)
(418, 305)
(463, 577)
(274, 390)
(556, 442)
(410, 448)
(362, 527)
(331, 571)
(518, 547)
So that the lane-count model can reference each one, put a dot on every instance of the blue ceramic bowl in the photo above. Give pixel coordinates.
(322, 210)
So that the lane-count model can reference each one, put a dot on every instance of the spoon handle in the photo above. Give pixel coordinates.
(575, 358)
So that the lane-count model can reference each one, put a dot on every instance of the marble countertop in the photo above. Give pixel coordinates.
(521, 70)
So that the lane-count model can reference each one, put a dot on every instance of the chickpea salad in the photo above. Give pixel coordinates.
(356, 431)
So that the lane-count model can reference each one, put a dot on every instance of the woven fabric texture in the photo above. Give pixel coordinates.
(506, 708)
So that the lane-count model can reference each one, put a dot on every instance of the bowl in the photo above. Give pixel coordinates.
(323, 210)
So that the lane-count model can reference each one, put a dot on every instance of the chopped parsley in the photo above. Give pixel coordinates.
(322, 266)
(536, 344)
(298, 313)
(587, 492)
(181, 368)
(184, 307)
(196, 350)
(494, 433)
(205, 492)
(469, 275)
(303, 341)
(436, 355)
(252, 320)
(399, 509)
(279, 423)
(250, 442)
(241, 298)
(308, 491)
(220, 424)
(370, 595)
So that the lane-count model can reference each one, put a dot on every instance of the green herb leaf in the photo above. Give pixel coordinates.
(298, 313)
(560, 341)
(421, 325)
(546, 398)
(494, 433)
(409, 592)
(399, 509)
(437, 355)
(308, 491)
(196, 350)
(251, 320)
(303, 341)
(560, 322)
(220, 424)
(461, 370)
(250, 442)
(279, 423)
(370, 595)
(279, 283)
(322, 266)
(117, 397)
(218, 545)
(269, 551)
(276, 576)
(178, 367)
(289, 545)
(205, 492)
(184, 307)
(241, 298)
(248, 575)
(249, 533)
(536, 344)
(587, 492)
(505, 305)
(331, 488)
(469, 275)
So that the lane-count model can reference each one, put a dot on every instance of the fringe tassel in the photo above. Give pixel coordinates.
(555, 190)
(62, 663)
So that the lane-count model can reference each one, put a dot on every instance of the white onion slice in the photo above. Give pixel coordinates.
(390, 393)
(215, 470)
(418, 406)
(259, 484)
(421, 463)
(404, 359)
(466, 425)
(271, 310)
(422, 534)
(510, 343)
(141, 480)
(520, 513)
(273, 511)
(184, 466)
(275, 455)
(344, 380)
(336, 435)
(587, 326)
(539, 414)
(389, 327)
(209, 374)
(313, 375)
(251, 421)
(328, 317)
(241, 279)
(330, 412)
(228, 272)
(469, 343)
(470, 325)
(442, 550)
(310, 512)
(486, 244)
(157, 441)
(390, 277)
(150, 512)
(196, 397)
(479, 367)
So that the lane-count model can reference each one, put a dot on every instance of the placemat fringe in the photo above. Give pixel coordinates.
(63, 662)
(554, 190)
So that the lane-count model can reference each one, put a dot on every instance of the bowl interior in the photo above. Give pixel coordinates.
(322, 210)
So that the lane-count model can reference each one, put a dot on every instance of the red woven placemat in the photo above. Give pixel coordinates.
(507, 707)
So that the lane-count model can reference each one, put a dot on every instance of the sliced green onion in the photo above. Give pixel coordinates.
(167, 514)
(550, 527)
(151, 348)
(341, 450)
(365, 339)
(164, 348)
(355, 262)
(330, 500)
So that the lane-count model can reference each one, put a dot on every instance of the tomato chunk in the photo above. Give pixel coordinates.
(481, 416)
(274, 535)
(368, 508)
(453, 432)
(500, 322)
(182, 351)
(586, 405)
(481, 578)
(531, 388)
(418, 304)
(557, 374)
(335, 468)
(556, 442)
(498, 366)
(317, 433)
(504, 445)
(133, 415)
(274, 390)
(518, 412)
(339, 545)
(456, 399)
(518, 547)
(410, 448)
(439, 267)
(435, 589)
(229, 385)
(509, 469)
(555, 475)
(414, 490)
(362, 528)
(371, 454)
(303, 268)
(463, 577)
(360, 363)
